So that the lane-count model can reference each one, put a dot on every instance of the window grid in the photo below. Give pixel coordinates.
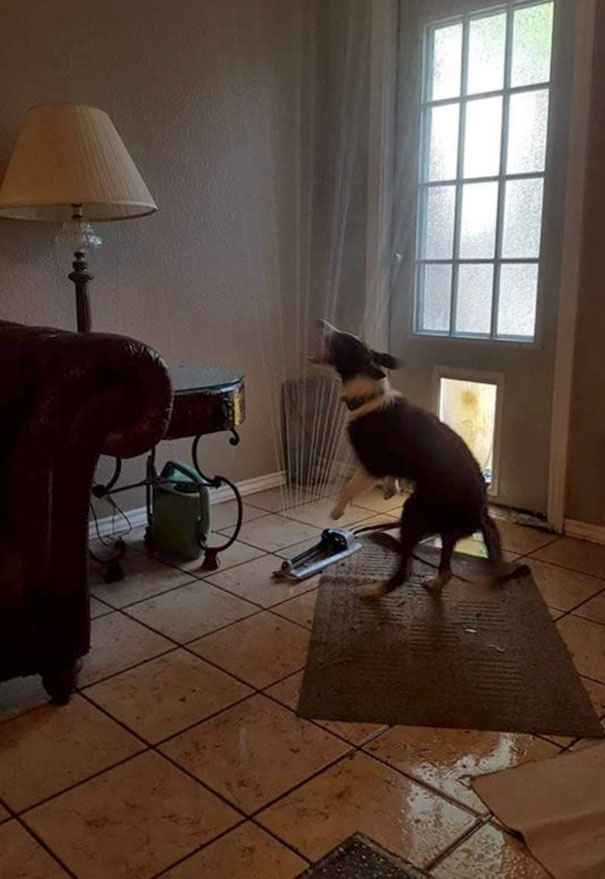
(501, 178)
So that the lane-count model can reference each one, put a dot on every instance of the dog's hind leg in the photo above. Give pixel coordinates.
(411, 535)
(448, 542)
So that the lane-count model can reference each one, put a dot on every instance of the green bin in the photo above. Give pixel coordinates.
(180, 522)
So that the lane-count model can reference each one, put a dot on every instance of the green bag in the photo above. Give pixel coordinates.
(180, 522)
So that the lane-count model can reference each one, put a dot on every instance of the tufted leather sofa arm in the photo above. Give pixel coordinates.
(64, 399)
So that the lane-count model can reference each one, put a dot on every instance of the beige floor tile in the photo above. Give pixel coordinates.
(555, 614)
(296, 549)
(300, 609)
(585, 641)
(191, 611)
(21, 694)
(580, 555)
(245, 853)
(254, 751)
(373, 500)
(361, 794)
(98, 608)
(163, 696)
(23, 858)
(259, 650)
(593, 609)
(276, 499)
(290, 551)
(490, 853)
(4, 814)
(318, 513)
(131, 822)
(49, 749)
(287, 691)
(448, 759)
(143, 577)
(275, 532)
(255, 581)
(520, 539)
(224, 515)
(237, 554)
(561, 588)
(117, 643)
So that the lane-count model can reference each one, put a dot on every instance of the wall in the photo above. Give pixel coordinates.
(205, 95)
(586, 476)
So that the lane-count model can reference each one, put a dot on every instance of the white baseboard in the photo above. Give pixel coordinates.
(137, 517)
(584, 530)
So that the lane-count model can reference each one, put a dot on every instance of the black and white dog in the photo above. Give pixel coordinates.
(392, 438)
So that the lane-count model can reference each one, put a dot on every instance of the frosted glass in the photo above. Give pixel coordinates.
(469, 408)
(439, 237)
(436, 298)
(522, 219)
(527, 132)
(517, 300)
(486, 54)
(532, 42)
(478, 225)
(447, 62)
(474, 306)
(482, 137)
(443, 142)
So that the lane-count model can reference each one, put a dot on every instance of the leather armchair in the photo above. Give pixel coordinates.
(64, 399)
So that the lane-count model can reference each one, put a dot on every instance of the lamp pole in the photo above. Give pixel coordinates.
(81, 276)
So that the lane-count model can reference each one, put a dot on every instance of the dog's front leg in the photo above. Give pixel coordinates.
(390, 487)
(359, 481)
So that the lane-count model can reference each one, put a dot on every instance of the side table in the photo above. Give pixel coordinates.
(207, 399)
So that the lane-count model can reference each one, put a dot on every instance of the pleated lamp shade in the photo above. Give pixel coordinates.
(69, 155)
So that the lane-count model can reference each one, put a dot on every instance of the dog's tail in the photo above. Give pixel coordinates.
(504, 571)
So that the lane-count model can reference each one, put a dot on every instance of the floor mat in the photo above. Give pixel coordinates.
(361, 858)
(479, 656)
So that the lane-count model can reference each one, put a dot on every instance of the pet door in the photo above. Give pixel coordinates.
(471, 409)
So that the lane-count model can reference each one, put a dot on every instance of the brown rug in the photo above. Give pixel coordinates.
(477, 657)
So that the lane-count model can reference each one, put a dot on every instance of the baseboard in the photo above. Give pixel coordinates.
(584, 530)
(137, 517)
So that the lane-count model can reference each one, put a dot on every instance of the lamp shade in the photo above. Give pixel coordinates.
(69, 155)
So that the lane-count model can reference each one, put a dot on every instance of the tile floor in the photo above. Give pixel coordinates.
(181, 756)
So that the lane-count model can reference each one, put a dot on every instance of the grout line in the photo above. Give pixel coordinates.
(43, 844)
(460, 841)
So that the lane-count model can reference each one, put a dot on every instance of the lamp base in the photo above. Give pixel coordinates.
(81, 276)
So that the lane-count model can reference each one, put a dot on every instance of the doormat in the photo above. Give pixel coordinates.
(362, 858)
(477, 656)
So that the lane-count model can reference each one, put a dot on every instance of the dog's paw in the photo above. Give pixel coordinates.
(437, 583)
(338, 511)
(373, 591)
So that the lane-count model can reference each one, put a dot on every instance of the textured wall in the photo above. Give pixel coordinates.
(206, 97)
(586, 479)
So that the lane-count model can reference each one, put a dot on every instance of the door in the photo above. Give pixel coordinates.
(483, 102)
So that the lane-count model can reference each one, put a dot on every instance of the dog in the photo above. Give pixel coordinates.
(394, 439)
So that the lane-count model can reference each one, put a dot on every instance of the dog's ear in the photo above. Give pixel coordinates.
(386, 360)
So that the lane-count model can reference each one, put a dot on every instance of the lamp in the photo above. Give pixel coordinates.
(69, 164)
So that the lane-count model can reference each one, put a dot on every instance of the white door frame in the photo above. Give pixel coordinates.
(379, 255)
